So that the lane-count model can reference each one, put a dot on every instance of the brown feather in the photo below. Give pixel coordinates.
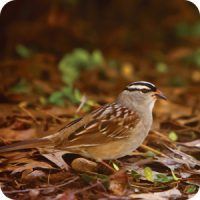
(106, 124)
(27, 144)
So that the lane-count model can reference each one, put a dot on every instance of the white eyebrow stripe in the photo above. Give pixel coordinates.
(145, 82)
(138, 87)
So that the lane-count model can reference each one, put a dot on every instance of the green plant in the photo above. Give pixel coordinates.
(58, 97)
(161, 67)
(162, 178)
(193, 58)
(173, 136)
(72, 64)
(190, 189)
(148, 173)
(187, 30)
(23, 51)
(21, 87)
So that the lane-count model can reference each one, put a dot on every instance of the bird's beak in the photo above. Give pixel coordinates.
(160, 95)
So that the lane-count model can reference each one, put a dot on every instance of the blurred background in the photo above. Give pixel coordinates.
(54, 52)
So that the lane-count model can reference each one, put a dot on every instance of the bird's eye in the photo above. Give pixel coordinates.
(144, 90)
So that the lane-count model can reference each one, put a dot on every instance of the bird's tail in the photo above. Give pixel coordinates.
(27, 144)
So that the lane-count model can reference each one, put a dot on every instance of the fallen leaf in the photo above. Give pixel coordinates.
(84, 165)
(32, 165)
(169, 194)
(118, 183)
(148, 174)
(33, 175)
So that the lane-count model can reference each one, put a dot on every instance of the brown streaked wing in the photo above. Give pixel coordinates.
(113, 123)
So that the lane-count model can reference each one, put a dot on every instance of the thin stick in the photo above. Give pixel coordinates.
(52, 115)
(45, 188)
(86, 188)
(108, 166)
(153, 150)
(83, 101)
(28, 113)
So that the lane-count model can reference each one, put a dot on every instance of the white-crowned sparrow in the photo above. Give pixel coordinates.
(112, 131)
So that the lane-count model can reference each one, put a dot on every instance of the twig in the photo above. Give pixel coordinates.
(110, 196)
(108, 166)
(45, 188)
(22, 107)
(153, 150)
(142, 162)
(161, 135)
(83, 101)
(86, 188)
(52, 115)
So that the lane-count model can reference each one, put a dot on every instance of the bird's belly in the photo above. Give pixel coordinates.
(116, 149)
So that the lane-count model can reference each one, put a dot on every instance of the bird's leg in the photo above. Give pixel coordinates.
(107, 166)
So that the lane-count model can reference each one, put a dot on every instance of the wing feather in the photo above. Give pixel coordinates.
(111, 122)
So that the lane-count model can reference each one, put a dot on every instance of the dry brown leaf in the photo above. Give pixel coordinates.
(84, 165)
(31, 175)
(57, 159)
(169, 194)
(181, 157)
(195, 143)
(34, 193)
(32, 165)
(118, 183)
(16, 135)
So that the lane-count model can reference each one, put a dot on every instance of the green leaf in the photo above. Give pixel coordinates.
(148, 173)
(73, 95)
(87, 178)
(173, 136)
(88, 105)
(21, 87)
(177, 81)
(69, 75)
(135, 175)
(43, 100)
(174, 176)
(193, 58)
(113, 63)
(161, 67)
(149, 154)
(182, 29)
(23, 51)
(57, 98)
(80, 59)
(91, 102)
(190, 189)
(162, 178)
(115, 166)
(188, 30)
(82, 56)
(97, 58)
(77, 95)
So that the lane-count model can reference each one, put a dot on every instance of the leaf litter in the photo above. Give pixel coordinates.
(158, 169)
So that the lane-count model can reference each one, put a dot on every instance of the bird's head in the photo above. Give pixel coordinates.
(142, 93)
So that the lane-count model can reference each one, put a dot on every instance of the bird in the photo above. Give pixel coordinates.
(110, 132)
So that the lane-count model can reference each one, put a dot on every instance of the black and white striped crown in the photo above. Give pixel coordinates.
(142, 86)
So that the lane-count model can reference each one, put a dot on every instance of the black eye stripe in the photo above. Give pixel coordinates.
(145, 90)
